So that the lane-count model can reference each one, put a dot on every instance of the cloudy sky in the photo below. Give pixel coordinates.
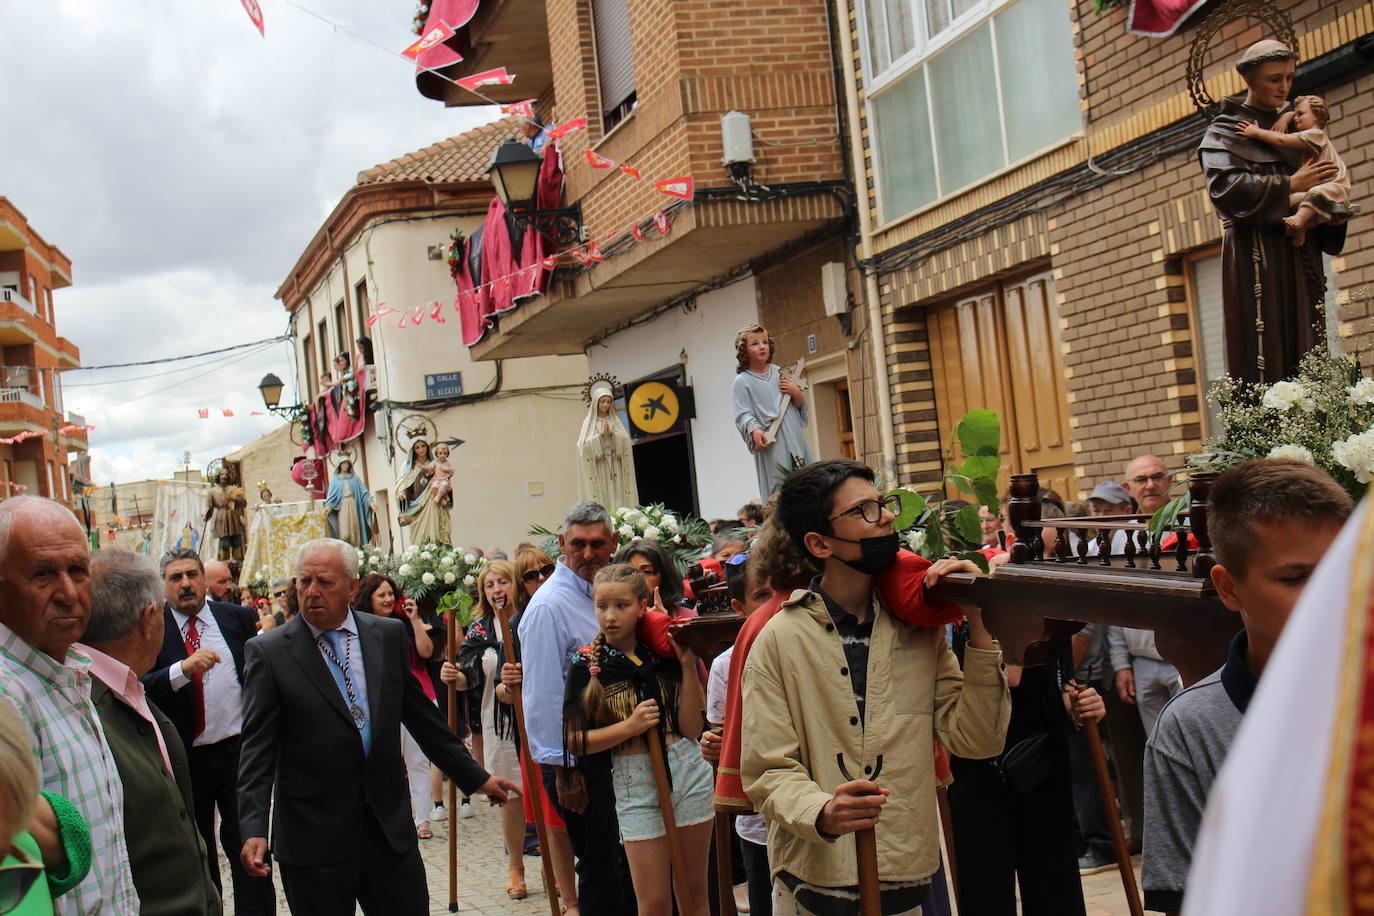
(183, 163)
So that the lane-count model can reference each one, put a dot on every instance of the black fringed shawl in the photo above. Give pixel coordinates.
(627, 682)
(481, 637)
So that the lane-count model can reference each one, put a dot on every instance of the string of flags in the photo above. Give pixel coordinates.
(204, 413)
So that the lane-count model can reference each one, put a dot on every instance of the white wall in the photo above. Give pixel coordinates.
(724, 466)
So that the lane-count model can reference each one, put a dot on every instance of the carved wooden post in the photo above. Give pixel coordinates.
(1199, 489)
(1023, 507)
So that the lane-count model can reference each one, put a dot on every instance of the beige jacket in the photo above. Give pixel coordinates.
(799, 713)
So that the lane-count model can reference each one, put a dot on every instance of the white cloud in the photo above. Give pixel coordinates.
(183, 163)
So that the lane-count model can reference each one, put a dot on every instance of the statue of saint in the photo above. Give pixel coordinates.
(350, 507)
(605, 460)
(761, 393)
(227, 504)
(1270, 284)
(427, 517)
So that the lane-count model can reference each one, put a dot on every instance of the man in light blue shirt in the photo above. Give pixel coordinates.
(558, 621)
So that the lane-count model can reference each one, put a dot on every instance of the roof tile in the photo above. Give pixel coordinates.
(455, 159)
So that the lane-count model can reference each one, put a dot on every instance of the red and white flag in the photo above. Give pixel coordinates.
(661, 223)
(254, 13)
(631, 171)
(550, 263)
(256, 413)
(680, 188)
(636, 231)
(523, 109)
(227, 412)
(598, 162)
(1159, 18)
(497, 77)
(435, 312)
(203, 413)
(568, 127)
(439, 32)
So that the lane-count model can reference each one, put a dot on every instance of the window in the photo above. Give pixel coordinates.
(615, 61)
(341, 326)
(962, 89)
(360, 305)
(308, 354)
(52, 493)
(52, 317)
(322, 340)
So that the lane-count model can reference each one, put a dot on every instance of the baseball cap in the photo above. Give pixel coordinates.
(1112, 492)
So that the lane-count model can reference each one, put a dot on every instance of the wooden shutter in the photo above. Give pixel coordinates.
(615, 61)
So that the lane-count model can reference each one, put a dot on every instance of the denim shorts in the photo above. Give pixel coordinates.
(636, 798)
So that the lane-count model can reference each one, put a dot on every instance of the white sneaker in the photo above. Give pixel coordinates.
(465, 810)
(440, 813)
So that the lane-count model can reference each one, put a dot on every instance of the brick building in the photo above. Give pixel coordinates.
(1038, 238)
(32, 355)
(654, 78)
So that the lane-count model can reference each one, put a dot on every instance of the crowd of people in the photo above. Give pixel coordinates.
(145, 705)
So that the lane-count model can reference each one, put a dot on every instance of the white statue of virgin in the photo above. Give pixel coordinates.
(605, 461)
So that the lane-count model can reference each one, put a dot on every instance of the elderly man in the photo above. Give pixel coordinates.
(219, 582)
(559, 620)
(325, 697)
(45, 601)
(166, 853)
(197, 680)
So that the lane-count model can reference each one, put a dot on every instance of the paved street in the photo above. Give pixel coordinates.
(482, 876)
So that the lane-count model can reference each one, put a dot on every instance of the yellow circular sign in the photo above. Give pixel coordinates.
(654, 408)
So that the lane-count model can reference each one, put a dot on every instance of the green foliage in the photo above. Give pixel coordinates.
(458, 605)
(936, 528)
(683, 538)
(1168, 518)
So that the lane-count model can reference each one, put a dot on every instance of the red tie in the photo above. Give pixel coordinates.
(197, 685)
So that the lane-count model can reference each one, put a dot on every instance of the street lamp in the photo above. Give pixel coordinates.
(271, 387)
(514, 173)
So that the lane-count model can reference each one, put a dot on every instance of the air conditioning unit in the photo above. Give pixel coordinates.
(834, 289)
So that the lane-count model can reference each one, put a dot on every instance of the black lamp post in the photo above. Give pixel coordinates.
(271, 388)
(514, 173)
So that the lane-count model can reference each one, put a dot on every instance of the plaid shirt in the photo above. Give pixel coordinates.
(75, 762)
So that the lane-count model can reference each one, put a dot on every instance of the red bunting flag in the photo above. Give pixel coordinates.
(661, 223)
(598, 162)
(635, 231)
(676, 187)
(440, 32)
(568, 127)
(523, 109)
(550, 263)
(497, 77)
(254, 13)
(418, 315)
(382, 311)
(434, 313)
(227, 412)
(402, 323)
(203, 413)
(256, 413)
(631, 171)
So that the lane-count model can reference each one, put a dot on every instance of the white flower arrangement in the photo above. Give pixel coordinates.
(470, 581)
(653, 533)
(1357, 454)
(1286, 395)
(1362, 392)
(427, 578)
(405, 569)
(450, 578)
(446, 561)
(1291, 452)
(426, 571)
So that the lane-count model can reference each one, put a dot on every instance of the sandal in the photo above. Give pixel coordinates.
(516, 889)
(424, 833)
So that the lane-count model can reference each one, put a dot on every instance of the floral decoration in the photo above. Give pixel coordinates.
(426, 571)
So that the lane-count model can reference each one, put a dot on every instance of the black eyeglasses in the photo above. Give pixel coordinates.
(534, 575)
(871, 510)
(16, 879)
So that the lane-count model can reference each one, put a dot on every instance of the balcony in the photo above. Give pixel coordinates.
(12, 296)
(75, 439)
(21, 396)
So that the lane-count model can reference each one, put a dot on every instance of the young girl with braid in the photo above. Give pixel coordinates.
(618, 690)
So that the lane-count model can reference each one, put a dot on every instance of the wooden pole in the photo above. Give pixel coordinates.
(665, 805)
(866, 853)
(536, 785)
(452, 650)
(725, 887)
(1108, 793)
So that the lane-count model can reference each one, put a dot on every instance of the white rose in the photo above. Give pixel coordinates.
(426, 555)
(405, 570)
(1362, 392)
(362, 557)
(450, 578)
(1291, 452)
(427, 578)
(471, 558)
(652, 533)
(670, 522)
(915, 539)
(446, 561)
(626, 532)
(469, 581)
(1357, 454)
(412, 550)
(1287, 395)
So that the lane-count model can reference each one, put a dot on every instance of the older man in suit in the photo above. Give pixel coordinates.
(167, 854)
(198, 681)
(325, 697)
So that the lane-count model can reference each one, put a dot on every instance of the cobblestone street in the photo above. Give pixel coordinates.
(482, 876)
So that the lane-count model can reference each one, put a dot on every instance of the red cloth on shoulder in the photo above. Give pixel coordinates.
(903, 592)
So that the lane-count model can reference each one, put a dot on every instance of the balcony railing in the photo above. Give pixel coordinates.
(21, 396)
(11, 295)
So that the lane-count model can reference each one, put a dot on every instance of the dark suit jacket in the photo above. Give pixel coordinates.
(236, 624)
(299, 736)
(166, 853)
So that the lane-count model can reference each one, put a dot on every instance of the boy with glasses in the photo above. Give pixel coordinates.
(837, 695)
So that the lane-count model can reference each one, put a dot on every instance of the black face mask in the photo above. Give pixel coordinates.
(876, 553)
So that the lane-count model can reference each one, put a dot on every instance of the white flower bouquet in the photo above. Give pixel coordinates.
(425, 572)
(683, 537)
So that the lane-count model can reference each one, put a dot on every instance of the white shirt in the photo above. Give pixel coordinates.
(223, 694)
(750, 827)
(352, 656)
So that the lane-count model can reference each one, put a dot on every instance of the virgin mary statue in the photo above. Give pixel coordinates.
(426, 516)
(605, 463)
(350, 507)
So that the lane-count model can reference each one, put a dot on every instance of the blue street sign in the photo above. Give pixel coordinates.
(443, 384)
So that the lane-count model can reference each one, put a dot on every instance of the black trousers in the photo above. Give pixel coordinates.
(214, 784)
(1094, 831)
(604, 887)
(377, 878)
(1004, 838)
(760, 884)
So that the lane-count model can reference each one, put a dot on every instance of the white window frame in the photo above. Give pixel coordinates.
(919, 56)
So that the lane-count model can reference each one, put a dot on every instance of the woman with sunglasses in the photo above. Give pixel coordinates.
(660, 573)
(42, 836)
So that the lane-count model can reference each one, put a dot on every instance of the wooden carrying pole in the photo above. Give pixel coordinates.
(665, 805)
(452, 787)
(536, 787)
(1108, 793)
(866, 854)
(725, 887)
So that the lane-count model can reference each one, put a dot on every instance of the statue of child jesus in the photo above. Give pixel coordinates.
(1303, 128)
(758, 390)
(440, 485)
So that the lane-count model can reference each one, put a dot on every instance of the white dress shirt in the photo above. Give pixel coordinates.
(560, 619)
(354, 653)
(223, 693)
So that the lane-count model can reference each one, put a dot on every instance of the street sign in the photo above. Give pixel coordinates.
(443, 384)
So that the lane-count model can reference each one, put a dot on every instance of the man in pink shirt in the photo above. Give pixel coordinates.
(166, 852)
